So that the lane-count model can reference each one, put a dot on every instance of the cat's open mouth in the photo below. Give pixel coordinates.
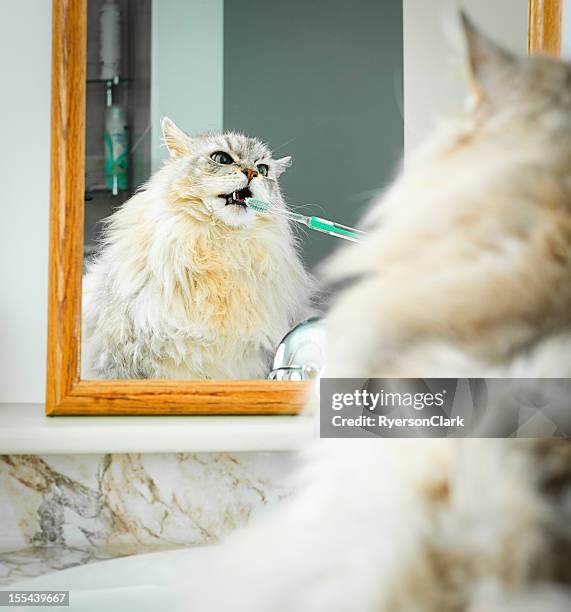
(237, 197)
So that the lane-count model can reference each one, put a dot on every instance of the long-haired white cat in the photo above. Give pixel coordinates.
(190, 283)
(467, 272)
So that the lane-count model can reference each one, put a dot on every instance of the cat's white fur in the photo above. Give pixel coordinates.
(403, 526)
(467, 272)
(186, 286)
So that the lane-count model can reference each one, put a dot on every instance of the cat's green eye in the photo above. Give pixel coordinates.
(263, 169)
(220, 157)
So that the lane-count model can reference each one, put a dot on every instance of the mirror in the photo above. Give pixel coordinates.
(183, 280)
(70, 389)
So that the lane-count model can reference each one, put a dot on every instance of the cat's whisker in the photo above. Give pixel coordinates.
(284, 144)
(301, 207)
(368, 194)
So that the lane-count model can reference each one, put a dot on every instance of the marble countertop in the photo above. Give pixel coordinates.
(24, 429)
(59, 511)
(36, 561)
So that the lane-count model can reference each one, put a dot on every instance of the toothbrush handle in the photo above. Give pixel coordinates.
(335, 229)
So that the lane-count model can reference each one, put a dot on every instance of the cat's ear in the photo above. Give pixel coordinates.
(491, 67)
(280, 165)
(176, 141)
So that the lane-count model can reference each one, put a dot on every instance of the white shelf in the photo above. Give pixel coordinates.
(24, 429)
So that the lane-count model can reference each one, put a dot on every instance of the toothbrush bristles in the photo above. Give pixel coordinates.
(257, 204)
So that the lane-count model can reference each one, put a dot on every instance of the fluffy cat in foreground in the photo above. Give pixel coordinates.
(467, 272)
(190, 283)
(468, 263)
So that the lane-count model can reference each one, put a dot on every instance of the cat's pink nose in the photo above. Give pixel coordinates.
(250, 173)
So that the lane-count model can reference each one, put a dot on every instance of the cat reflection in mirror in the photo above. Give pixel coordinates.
(189, 282)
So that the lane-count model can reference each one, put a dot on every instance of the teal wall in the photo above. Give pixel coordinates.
(320, 80)
(186, 67)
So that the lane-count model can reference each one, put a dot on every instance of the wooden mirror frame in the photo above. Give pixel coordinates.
(544, 27)
(67, 393)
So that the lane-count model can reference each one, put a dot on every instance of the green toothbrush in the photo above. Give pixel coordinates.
(315, 223)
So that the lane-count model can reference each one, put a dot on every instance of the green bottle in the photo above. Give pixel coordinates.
(116, 149)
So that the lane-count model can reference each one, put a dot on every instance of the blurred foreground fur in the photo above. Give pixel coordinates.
(466, 272)
(405, 525)
(467, 266)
